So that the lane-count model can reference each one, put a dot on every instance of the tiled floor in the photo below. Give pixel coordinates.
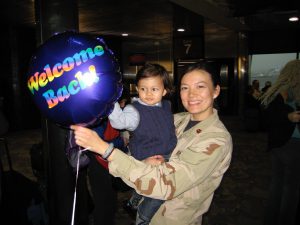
(239, 200)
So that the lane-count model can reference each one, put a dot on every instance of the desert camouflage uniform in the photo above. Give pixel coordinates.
(188, 181)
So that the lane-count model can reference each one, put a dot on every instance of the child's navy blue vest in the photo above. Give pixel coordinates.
(155, 134)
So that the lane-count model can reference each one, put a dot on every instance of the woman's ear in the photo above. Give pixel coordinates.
(217, 91)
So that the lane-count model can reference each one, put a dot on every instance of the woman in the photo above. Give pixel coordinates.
(196, 167)
(282, 123)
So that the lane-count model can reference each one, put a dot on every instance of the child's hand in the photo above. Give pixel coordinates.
(154, 160)
(126, 141)
(125, 136)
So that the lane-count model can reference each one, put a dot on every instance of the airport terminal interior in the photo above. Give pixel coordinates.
(246, 40)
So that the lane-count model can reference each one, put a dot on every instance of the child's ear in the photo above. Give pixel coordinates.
(165, 92)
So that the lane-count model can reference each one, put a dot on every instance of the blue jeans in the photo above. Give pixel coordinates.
(148, 206)
(285, 185)
(146, 210)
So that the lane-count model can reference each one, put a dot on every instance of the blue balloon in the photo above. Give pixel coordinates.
(74, 78)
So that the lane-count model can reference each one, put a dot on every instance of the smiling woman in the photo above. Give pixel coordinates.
(197, 164)
(197, 92)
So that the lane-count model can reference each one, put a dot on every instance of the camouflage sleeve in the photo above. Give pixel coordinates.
(185, 170)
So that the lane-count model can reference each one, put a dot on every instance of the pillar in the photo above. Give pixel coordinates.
(54, 16)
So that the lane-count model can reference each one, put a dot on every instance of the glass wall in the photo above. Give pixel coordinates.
(266, 67)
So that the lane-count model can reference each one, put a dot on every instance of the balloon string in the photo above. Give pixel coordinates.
(75, 191)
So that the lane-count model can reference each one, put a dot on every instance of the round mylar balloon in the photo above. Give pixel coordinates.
(74, 78)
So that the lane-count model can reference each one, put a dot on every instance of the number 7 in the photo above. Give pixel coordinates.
(188, 46)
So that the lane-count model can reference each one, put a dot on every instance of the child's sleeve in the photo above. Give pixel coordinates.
(128, 118)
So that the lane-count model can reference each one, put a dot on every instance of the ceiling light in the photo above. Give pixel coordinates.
(180, 29)
(293, 18)
(125, 35)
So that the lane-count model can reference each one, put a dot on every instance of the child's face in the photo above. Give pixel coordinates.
(151, 90)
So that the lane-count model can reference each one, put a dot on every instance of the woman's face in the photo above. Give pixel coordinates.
(197, 94)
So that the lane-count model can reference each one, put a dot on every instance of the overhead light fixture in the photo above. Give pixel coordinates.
(125, 34)
(180, 29)
(294, 18)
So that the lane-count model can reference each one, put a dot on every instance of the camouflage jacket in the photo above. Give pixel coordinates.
(188, 181)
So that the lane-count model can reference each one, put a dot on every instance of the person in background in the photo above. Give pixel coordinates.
(250, 100)
(149, 118)
(282, 119)
(268, 84)
(125, 100)
(252, 111)
(103, 186)
(195, 169)
(255, 89)
(101, 197)
(4, 126)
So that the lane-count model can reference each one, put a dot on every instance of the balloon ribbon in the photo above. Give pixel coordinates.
(77, 171)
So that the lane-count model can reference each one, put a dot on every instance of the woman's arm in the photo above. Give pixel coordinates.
(200, 166)
(88, 138)
(195, 165)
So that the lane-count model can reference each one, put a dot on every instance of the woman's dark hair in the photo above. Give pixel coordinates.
(153, 70)
(210, 67)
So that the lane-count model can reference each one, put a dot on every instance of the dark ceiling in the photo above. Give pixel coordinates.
(153, 18)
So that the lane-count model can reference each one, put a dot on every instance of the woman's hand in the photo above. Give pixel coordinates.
(88, 138)
(294, 116)
(154, 160)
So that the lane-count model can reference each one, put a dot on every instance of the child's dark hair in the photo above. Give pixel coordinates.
(153, 70)
(212, 68)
